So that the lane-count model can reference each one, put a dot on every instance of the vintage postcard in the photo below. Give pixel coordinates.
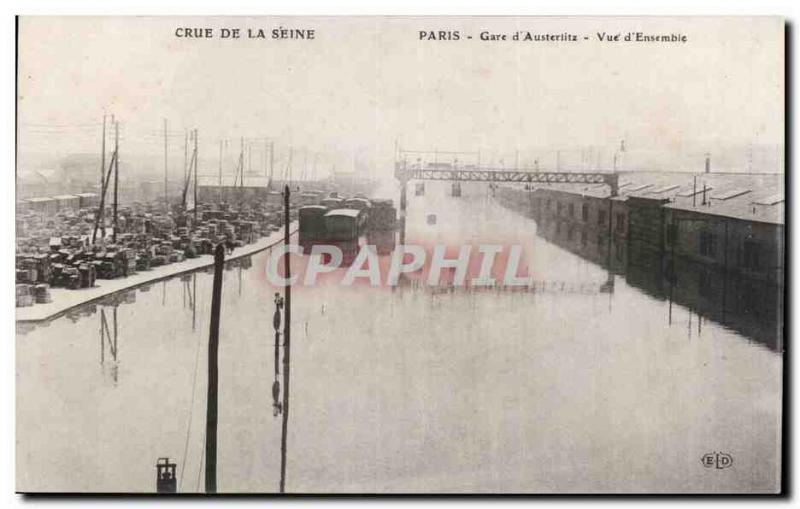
(400, 255)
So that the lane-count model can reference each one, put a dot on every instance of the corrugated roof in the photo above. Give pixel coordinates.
(664, 189)
(731, 193)
(687, 192)
(692, 192)
(770, 200)
(741, 206)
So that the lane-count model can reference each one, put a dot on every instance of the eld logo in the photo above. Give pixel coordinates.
(718, 460)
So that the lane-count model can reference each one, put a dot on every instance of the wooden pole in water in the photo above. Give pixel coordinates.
(116, 330)
(276, 324)
(194, 300)
(287, 300)
(213, 346)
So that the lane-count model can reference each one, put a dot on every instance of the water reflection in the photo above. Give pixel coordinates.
(110, 336)
(189, 287)
(383, 240)
(349, 249)
(752, 308)
(277, 322)
(378, 373)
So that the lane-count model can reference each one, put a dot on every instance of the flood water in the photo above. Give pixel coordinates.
(598, 382)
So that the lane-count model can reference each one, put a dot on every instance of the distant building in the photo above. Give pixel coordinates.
(88, 200)
(42, 205)
(712, 242)
(67, 202)
(740, 229)
(253, 188)
(734, 221)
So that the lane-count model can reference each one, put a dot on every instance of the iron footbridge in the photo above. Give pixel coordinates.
(448, 172)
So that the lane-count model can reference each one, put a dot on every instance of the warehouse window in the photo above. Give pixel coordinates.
(585, 212)
(672, 233)
(750, 254)
(704, 283)
(571, 210)
(620, 221)
(601, 217)
(707, 244)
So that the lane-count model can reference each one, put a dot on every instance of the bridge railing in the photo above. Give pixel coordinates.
(447, 172)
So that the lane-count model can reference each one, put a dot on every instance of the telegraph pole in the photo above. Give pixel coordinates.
(271, 161)
(213, 374)
(287, 175)
(305, 164)
(186, 165)
(314, 168)
(219, 186)
(241, 172)
(166, 201)
(196, 162)
(116, 177)
(287, 299)
(106, 182)
(101, 212)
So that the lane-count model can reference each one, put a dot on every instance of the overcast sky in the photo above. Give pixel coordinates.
(364, 83)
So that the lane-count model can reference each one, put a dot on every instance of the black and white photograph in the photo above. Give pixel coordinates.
(396, 255)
